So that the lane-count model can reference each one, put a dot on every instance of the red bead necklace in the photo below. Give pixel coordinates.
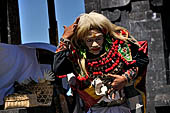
(110, 61)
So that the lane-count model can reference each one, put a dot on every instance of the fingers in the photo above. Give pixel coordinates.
(113, 94)
(115, 76)
(75, 25)
(65, 26)
(117, 85)
(77, 20)
(114, 85)
(118, 82)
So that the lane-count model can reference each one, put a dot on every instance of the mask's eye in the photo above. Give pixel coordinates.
(89, 40)
(99, 38)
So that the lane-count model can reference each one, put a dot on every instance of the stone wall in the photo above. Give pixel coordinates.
(143, 19)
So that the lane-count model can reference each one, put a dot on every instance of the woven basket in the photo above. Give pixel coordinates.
(44, 93)
(20, 101)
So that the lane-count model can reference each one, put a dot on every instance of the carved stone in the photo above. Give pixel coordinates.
(113, 3)
(113, 16)
(157, 2)
(140, 6)
(146, 20)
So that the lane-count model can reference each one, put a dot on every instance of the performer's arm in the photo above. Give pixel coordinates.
(62, 65)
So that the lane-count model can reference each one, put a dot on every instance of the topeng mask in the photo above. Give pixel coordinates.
(94, 41)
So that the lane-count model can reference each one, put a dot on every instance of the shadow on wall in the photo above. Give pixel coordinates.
(163, 109)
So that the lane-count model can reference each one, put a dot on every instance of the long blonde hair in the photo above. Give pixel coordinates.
(90, 21)
(98, 21)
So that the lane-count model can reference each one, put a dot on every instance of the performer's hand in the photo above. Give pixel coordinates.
(119, 81)
(69, 31)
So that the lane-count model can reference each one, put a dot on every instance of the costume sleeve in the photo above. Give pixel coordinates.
(139, 54)
(62, 65)
(131, 73)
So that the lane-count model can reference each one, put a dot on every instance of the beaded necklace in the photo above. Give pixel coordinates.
(112, 61)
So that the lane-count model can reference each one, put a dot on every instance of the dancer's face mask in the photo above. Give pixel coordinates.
(94, 41)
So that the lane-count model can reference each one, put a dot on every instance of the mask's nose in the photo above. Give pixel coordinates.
(94, 44)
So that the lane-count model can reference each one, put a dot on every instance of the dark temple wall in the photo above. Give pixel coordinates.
(9, 22)
(3, 21)
(53, 31)
(145, 20)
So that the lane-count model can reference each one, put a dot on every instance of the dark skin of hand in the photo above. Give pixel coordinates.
(118, 83)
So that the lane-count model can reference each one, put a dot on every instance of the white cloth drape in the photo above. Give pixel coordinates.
(17, 63)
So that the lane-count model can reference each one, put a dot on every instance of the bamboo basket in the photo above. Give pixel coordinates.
(20, 101)
(44, 93)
